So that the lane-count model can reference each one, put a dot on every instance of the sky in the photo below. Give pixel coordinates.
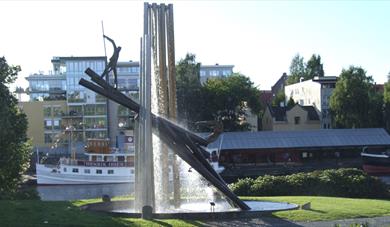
(259, 38)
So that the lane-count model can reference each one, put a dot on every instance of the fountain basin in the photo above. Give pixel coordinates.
(192, 210)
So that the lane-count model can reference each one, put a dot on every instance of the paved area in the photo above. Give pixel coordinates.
(268, 221)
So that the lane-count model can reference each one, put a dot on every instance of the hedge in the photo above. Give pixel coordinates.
(351, 183)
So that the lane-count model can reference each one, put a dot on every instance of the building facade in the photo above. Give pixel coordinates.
(298, 117)
(210, 71)
(62, 113)
(316, 93)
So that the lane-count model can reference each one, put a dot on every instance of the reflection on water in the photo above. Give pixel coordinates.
(76, 192)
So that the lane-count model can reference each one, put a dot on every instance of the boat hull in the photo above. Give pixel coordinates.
(53, 176)
(376, 164)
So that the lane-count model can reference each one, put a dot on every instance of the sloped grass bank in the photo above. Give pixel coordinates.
(42, 213)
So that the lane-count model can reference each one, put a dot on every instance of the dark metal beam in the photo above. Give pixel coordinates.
(181, 141)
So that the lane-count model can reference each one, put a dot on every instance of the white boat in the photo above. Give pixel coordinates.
(101, 167)
(98, 169)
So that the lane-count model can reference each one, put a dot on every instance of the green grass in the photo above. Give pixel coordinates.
(329, 208)
(39, 213)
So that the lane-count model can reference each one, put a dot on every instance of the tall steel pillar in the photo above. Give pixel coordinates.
(157, 48)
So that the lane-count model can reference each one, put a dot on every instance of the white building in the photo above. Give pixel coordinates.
(315, 92)
(209, 71)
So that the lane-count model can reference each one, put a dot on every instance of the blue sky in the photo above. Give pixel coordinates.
(259, 37)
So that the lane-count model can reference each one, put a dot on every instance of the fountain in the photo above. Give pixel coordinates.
(172, 175)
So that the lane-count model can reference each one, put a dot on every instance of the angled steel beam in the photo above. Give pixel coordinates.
(179, 140)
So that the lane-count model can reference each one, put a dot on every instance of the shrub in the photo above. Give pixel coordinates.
(341, 182)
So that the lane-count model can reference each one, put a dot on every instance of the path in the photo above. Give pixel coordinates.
(268, 221)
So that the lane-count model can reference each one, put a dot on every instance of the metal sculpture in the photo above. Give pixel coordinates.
(158, 36)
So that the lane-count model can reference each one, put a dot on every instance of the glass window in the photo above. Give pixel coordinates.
(202, 73)
(99, 171)
(100, 98)
(89, 110)
(297, 120)
(87, 171)
(47, 111)
(75, 170)
(48, 138)
(100, 109)
(57, 111)
(110, 171)
(65, 169)
(57, 124)
(48, 124)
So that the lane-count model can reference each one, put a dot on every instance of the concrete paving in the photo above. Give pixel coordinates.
(269, 221)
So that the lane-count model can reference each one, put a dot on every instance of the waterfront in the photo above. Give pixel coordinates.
(77, 192)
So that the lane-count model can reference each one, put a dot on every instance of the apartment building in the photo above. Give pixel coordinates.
(63, 115)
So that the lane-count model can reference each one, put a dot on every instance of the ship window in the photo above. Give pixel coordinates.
(75, 170)
(110, 171)
(87, 171)
(99, 171)
(132, 171)
(64, 169)
(121, 158)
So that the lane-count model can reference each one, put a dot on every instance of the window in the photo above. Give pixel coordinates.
(99, 171)
(87, 171)
(132, 171)
(110, 171)
(65, 169)
(57, 111)
(75, 170)
(202, 73)
(48, 138)
(297, 120)
(47, 111)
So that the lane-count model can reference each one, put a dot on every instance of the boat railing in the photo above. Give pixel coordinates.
(73, 162)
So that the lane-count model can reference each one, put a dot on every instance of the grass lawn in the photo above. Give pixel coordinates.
(329, 208)
(39, 213)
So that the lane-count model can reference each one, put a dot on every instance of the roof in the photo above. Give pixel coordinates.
(278, 112)
(302, 139)
(312, 113)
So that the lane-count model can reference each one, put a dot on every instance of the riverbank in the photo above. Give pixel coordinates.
(64, 213)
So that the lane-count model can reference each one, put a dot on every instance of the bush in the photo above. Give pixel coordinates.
(352, 183)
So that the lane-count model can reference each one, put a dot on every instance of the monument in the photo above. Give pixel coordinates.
(161, 144)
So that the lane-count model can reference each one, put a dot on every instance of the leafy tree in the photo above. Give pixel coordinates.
(386, 100)
(279, 98)
(189, 93)
(291, 103)
(314, 67)
(350, 101)
(297, 70)
(227, 99)
(15, 150)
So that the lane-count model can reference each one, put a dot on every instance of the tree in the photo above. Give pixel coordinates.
(15, 150)
(350, 101)
(189, 93)
(386, 102)
(227, 99)
(297, 70)
(279, 98)
(291, 103)
(314, 67)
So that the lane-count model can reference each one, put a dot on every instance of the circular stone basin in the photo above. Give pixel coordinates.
(194, 210)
